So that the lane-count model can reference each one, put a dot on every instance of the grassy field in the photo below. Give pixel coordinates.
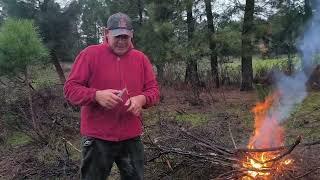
(305, 120)
(230, 71)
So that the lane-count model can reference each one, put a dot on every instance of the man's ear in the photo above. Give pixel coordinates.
(105, 34)
(105, 31)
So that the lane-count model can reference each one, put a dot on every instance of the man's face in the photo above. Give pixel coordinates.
(119, 44)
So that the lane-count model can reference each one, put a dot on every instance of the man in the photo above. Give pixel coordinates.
(112, 82)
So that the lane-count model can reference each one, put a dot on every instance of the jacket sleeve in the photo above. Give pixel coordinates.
(151, 88)
(76, 88)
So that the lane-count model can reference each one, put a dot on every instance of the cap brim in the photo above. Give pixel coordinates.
(118, 32)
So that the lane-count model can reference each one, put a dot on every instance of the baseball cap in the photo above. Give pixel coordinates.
(120, 24)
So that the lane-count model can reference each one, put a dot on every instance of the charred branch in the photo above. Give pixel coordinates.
(287, 152)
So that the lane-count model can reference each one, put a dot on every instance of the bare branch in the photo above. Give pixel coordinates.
(307, 173)
(68, 142)
(217, 148)
(287, 152)
(230, 132)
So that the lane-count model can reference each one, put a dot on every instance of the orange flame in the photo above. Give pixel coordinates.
(268, 133)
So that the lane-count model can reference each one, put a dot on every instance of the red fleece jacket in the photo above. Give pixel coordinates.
(98, 68)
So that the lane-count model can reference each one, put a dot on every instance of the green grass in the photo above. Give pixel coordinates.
(260, 65)
(195, 119)
(47, 156)
(262, 91)
(17, 139)
(44, 76)
(232, 69)
(230, 72)
(305, 120)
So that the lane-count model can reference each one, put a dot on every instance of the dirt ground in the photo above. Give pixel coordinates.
(214, 114)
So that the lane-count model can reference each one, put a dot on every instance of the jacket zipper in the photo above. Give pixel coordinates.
(119, 71)
(119, 74)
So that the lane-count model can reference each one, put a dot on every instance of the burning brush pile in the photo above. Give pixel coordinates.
(266, 157)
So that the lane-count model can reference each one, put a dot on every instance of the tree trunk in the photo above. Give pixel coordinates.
(40, 137)
(307, 10)
(54, 58)
(246, 50)
(212, 44)
(29, 91)
(58, 68)
(290, 66)
(160, 72)
(192, 76)
(192, 69)
(290, 49)
(140, 9)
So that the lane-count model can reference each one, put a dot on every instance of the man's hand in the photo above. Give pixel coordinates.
(135, 104)
(108, 98)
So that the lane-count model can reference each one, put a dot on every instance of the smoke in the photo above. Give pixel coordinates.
(309, 45)
(293, 88)
(292, 91)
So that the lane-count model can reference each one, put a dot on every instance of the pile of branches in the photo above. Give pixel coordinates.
(53, 115)
(202, 159)
(57, 122)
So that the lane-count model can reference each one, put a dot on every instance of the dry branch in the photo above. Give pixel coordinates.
(307, 173)
(231, 136)
(214, 147)
(280, 148)
(68, 142)
(287, 152)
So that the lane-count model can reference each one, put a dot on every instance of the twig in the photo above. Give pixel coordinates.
(263, 150)
(66, 158)
(3, 83)
(222, 160)
(181, 111)
(160, 155)
(247, 175)
(312, 143)
(68, 142)
(287, 152)
(234, 143)
(280, 148)
(207, 157)
(307, 173)
(213, 147)
(227, 173)
(255, 159)
(169, 164)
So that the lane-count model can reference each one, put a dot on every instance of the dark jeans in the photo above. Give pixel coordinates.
(98, 157)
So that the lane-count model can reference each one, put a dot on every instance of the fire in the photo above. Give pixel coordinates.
(268, 133)
(288, 161)
(260, 167)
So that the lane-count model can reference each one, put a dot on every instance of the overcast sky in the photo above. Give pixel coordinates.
(219, 6)
(63, 2)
